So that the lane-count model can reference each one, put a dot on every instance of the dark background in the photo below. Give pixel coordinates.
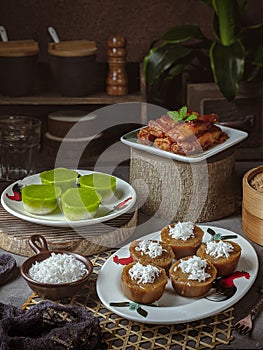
(140, 21)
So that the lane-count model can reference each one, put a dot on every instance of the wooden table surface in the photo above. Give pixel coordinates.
(16, 291)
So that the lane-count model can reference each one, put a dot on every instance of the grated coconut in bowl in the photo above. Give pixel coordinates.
(58, 268)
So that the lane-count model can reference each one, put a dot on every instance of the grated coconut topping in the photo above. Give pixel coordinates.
(195, 268)
(182, 230)
(58, 268)
(219, 249)
(153, 249)
(144, 273)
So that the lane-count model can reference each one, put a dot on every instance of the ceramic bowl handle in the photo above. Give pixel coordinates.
(38, 243)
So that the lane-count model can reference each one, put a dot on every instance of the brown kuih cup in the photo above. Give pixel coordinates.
(47, 290)
(180, 247)
(225, 266)
(191, 288)
(146, 293)
(164, 261)
(252, 207)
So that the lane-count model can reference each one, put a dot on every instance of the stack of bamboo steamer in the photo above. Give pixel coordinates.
(252, 206)
(76, 129)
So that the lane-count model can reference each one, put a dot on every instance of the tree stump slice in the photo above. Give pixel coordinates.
(178, 191)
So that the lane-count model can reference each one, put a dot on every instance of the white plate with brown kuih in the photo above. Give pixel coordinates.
(235, 136)
(122, 202)
(172, 308)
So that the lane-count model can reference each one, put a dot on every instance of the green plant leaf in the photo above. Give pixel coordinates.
(182, 33)
(207, 2)
(147, 58)
(258, 60)
(253, 74)
(227, 63)
(176, 70)
(226, 12)
(250, 34)
(215, 27)
(161, 59)
(176, 52)
(254, 26)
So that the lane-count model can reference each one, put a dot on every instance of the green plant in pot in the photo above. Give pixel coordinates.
(234, 54)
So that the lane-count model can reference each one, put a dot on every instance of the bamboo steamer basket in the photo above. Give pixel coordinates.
(252, 207)
(62, 121)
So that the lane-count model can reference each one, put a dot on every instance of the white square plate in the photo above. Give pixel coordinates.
(234, 137)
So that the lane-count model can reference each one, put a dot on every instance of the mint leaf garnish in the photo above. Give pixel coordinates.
(191, 117)
(174, 115)
(183, 112)
(181, 115)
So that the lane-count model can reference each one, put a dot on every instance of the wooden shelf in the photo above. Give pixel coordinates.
(55, 99)
(47, 100)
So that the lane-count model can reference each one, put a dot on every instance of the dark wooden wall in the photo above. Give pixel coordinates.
(140, 21)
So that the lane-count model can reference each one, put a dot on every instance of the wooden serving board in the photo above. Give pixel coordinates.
(90, 239)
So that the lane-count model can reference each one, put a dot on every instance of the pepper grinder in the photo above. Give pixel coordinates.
(117, 81)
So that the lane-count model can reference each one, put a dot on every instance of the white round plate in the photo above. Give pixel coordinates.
(173, 308)
(105, 212)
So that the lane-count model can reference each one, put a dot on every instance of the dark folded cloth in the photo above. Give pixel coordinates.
(7, 266)
(48, 326)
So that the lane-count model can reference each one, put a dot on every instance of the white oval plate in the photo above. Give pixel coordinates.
(173, 308)
(235, 136)
(57, 219)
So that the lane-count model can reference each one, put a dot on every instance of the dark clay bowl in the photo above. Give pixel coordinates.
(47, 290)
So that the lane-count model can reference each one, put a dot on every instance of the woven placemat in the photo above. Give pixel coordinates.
(120, 333)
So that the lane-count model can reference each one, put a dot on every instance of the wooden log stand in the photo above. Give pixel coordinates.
(178, 191)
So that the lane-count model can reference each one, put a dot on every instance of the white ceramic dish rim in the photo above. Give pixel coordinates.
(57, 219)
(190, 309)
(235, 137)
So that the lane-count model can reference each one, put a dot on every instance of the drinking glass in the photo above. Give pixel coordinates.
(19, 146)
